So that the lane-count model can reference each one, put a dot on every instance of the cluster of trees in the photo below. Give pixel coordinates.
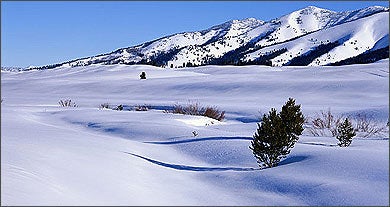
(277, 134)
(310, 56)
(80, 62)
(47, 67)
(161, 59)
(266, 59)
(234, 58)
(364, 58)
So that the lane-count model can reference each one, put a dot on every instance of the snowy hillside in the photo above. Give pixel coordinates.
(325, 36)
(86, 155)
(345, 40)
(14, 69)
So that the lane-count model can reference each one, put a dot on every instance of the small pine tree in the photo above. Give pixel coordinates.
(277, 134)
(267, 144)
(143, 75)
(293, 120)
(345, 133)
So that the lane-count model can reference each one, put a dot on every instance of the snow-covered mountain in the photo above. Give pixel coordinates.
(309, 36)
(12, 69)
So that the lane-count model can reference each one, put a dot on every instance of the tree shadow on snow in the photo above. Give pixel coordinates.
(319, 144)
(293, 159)
(248, 119)
(192, 168)
(199, 140)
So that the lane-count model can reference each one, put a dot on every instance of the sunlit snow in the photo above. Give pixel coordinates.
(84, 155)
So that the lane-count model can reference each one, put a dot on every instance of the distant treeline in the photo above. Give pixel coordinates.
(364, 58)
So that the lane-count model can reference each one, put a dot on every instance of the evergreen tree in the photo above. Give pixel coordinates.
(345, 133)
(189, 64)
(293, 120)
(277, 134)
(267, 141)
(143, 75)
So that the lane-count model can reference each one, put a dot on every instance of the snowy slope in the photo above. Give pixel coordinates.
(84, 155)
(354, 38)
(248, 39)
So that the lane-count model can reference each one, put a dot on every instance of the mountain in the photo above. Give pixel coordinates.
(309, 36)
(12, 69)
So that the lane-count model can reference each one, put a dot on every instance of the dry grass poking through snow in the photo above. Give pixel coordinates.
(67, 103)
(198, 110)
(326, 123)
(104, 106)
(141, 108)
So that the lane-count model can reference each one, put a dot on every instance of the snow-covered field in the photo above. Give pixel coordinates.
(52, 155)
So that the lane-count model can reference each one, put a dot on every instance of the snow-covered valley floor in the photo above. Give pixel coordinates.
(52, 155)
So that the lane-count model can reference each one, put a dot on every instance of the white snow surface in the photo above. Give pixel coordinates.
(360, 35)
(52, 155)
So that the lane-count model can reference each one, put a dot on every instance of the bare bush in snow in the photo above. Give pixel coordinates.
(67, 103)
(189, 109)
(119, 107)
(198, 110)
(214, 112)
(325, 124)
(367, 126)
(104, 106)
(141, 108)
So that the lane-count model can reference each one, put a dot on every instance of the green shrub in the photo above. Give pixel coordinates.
(345, 132)
(277, 134)
(142, 75)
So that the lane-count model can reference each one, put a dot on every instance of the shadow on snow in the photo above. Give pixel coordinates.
(318, 144)
(192, 168)
(199, 140)
(292, 159)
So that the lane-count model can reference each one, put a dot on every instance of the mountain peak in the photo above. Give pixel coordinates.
(374, 8)
(378, 7)
(247, 22)
(273, 42)
(312, 9)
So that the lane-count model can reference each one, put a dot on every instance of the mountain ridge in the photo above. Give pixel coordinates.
(240, 42)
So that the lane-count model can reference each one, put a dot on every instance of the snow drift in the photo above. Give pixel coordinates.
(52, 155)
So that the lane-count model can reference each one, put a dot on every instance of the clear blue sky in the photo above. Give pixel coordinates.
(41, 33)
